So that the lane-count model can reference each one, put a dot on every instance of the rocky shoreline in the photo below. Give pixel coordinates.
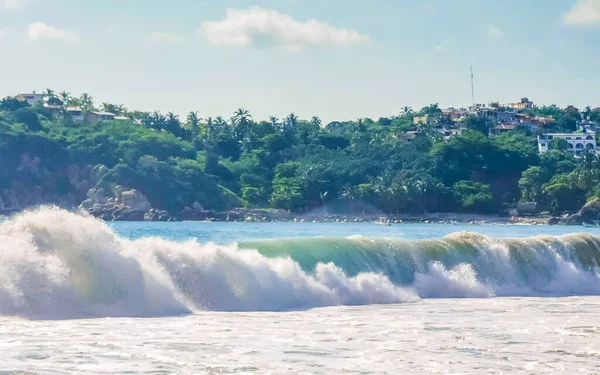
(117, 212)
(126, 204)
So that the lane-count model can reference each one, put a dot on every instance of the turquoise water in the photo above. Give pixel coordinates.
(321, 298)
(225, 233)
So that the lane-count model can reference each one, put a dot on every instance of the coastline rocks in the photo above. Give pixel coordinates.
(158, 215)
(589, 213)
(136, 200)
(124, 205)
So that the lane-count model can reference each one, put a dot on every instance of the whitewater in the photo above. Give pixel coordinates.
(76, 295)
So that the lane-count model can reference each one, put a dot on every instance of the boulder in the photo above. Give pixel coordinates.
(117, 190)
(589, 213)
(96, 196)
(158, 215)
(124, 204)
(136, 200)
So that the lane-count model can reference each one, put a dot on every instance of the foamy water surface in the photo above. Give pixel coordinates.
(80, 296)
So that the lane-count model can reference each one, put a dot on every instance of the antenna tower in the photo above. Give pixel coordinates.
(472, 89)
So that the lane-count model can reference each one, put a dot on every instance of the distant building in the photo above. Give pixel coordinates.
(420, 120)
(99, 116)
(577, 143)
(454, 114)
(31, 99)
(76, 114)
(503, 128)
(523, 104)
(496, 115)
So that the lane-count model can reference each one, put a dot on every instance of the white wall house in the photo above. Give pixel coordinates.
(76, 114)
(577, 142)
(100, 116)
(31, 99)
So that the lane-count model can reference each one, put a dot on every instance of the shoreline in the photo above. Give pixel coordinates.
(269, 216)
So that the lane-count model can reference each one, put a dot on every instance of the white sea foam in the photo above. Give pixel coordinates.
(56, 264)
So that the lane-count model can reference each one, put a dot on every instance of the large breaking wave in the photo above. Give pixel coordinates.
(56, 264)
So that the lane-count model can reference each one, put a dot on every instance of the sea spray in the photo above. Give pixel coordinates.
(57, 264)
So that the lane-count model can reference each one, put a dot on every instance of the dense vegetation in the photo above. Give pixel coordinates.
(294, 164)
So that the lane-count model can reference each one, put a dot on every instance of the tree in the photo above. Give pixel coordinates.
(65, 97)
(291, 122)
(12, 104)
(559, 144)
(478, 123)
(194, 124)
(49, 93)
(107, 107)
(241, 119)
(29, 118)
(406, 110)
(531, 184)
(316, 121)
(86, 102)
(474, 196)
(275, 122)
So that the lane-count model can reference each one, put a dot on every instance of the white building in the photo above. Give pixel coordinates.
(100, 116)
(31, 99)
(76, 114)
(577, 142)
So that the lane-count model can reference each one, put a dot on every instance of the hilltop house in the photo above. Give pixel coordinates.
(76, 114)
(523, 104)
(31, 99)
(577, 143)
(421, 120)
(503, 128)
(99, 116)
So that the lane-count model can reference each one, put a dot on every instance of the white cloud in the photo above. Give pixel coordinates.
(159, 37)
(495, 33)
(12, 4)
(40, 31)
(264, 28)
(583, 12)
(439, 48)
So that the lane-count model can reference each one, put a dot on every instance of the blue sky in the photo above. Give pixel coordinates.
(337, 59)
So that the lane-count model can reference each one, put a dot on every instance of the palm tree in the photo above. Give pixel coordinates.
(291, 122)
(586, 112)
(316, 121)
(194, 123)
(241, 118)
(64, 97)
(274, 122)
(121, 109)
(107, 107)
(406, 110)
(49, 94)
(349, 193)
(86, 101)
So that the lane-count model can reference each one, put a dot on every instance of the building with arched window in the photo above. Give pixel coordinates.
(577, 143)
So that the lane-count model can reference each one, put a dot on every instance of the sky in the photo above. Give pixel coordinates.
(337, 59)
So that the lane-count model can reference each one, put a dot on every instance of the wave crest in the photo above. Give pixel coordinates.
(56, 264)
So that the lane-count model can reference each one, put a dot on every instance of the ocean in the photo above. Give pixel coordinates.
(81, 296)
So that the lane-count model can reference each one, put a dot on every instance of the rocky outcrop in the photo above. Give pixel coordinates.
(122, 204)
(136, 200)
(589, 213)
